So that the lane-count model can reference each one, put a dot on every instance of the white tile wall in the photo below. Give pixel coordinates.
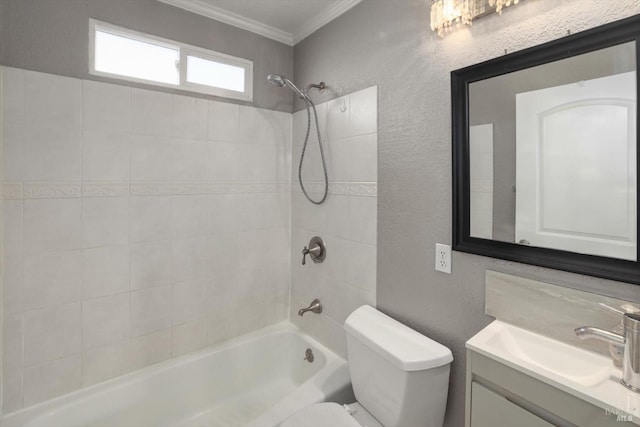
(130, 223)
(150, 158)
(131, 217)
(189, 160)
(13, 148)
(150, 348)
(150, 264)
(347, 221)
(52, 278)
(105, 221)
(51, 379)
(190, 117)
(52, 102)
(51, 333)
(106, 362)
(150, 310)
(51, 225)
(151, 112)
(105, 271)
(105, 320)
(51, 154)
(105, 155)
(189, 336)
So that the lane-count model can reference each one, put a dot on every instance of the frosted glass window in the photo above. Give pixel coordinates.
(136, 58)
(215, 74)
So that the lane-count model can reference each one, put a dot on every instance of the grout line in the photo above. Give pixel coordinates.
(82, 173)
(2, 263)
(22, 255)
(130, 138)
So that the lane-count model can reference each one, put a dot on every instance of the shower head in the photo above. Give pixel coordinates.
(281, 81)
(276, 80)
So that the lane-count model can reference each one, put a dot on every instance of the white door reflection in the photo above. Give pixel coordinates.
(576, 167)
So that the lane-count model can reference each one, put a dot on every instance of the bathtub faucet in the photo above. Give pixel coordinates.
(315, 307)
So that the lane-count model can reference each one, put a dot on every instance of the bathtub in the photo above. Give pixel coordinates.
(255, 380)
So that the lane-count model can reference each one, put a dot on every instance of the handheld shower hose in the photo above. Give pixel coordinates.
(281, 81)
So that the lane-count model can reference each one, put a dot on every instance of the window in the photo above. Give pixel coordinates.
(126, 56)
(130, 55)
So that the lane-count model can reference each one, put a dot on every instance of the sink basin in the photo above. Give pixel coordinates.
(542, 355)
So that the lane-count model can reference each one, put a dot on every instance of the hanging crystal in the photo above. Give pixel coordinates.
(445, 14)
(499, 4)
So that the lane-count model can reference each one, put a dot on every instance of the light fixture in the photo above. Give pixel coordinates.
(499, 4)
(445, 14)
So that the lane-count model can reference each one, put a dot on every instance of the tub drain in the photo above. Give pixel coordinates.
(308, 355)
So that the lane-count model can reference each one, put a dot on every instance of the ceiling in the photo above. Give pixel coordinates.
(287, 21)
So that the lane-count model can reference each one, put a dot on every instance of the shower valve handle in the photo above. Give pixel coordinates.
(313, 251)
(316, 251)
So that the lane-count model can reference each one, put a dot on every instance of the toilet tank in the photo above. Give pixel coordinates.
(399, 376)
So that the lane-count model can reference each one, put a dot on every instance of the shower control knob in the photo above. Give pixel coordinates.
(316, 251)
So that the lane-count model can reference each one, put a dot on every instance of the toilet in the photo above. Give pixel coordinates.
(400, 378)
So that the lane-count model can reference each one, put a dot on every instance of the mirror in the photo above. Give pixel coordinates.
(545, 154)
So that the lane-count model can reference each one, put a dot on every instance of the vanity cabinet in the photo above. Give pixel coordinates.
(500, 396)
(490, 409)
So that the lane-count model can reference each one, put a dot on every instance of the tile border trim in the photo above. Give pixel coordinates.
(62, 190)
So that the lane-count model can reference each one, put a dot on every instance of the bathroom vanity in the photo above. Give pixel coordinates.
(533, 137)
(519, 378)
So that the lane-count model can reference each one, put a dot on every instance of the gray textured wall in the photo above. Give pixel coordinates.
(52, 36)
(389, 43)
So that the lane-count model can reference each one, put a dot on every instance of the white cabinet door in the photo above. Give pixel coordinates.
(489, 409)
(576, 167)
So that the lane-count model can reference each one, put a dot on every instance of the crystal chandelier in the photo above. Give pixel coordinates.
(447, 13)
(499, 4)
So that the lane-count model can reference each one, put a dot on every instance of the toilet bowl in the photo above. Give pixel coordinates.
(400, 377)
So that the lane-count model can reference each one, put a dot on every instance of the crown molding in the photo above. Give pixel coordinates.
(304, 30)
(312, 25)
(239, 21)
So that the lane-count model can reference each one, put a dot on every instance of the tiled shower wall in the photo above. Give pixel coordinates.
(137, 226)
(347, 221)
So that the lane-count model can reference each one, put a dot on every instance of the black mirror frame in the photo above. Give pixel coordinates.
(615, 33)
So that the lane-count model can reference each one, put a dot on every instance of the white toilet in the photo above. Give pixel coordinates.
(400, 378)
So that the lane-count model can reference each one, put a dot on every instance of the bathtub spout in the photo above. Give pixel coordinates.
(315, 307)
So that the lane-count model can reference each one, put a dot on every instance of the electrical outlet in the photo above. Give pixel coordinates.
(443, 258)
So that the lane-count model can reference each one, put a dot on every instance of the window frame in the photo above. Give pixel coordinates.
(184, 50)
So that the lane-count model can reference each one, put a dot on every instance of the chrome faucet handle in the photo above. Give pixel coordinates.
(311, 252)
(316, 251)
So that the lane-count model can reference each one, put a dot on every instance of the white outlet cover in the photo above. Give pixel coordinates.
(443, 258)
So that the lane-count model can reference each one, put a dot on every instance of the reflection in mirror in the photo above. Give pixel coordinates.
(553, 155)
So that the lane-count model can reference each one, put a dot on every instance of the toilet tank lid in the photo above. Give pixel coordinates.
(407, 349)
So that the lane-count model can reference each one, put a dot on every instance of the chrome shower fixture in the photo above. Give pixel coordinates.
(281, 81)
(320, 86)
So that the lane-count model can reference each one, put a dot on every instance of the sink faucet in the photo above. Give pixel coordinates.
(315, 307)
(631, 342)
(585, 332)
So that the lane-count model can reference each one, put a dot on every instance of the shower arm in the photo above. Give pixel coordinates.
(320, 86)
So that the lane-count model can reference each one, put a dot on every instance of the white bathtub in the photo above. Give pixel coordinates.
(254, 380)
